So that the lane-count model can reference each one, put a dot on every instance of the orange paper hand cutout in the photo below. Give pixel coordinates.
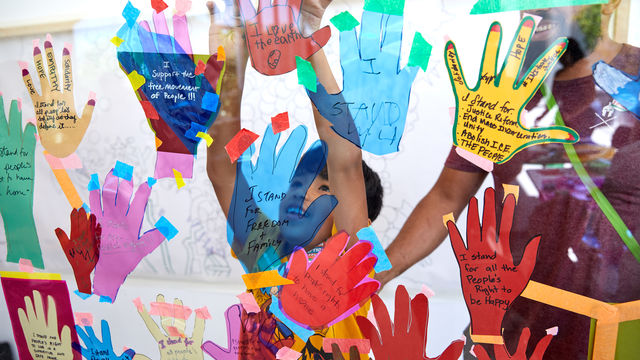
(330, 288)
(490, 279)
(406, 337)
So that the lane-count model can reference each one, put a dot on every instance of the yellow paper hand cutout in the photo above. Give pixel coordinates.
(488, 117)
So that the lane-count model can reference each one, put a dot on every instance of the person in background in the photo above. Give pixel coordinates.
(580, 251)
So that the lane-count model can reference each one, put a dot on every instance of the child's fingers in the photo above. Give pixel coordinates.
(51, 63)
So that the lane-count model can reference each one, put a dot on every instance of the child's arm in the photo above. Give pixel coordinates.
(344, 160)
(221, 171)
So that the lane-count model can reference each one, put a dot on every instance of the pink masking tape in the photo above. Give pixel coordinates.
(173, 331)
(83, 319)
(68, 46)
(452, 114)
(363, 345)
(203, 313)
(23, 65)
(170, 310)
(70, 162)
(248, 302)
(19, 104)
(32, 121)
(484, 164)
(36, 43)
(427, 291)
(182, 6)
(287, 353)
(138, 304)
(25, 265)
(552, 331)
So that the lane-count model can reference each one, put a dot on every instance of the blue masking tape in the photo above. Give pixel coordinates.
(368, 234)
(303, 333)
(86, 207)
(82, 295)
(166, 228)
(94, 183)
(210, 102)
(151, 181)
(105, 299)
(130, 13)
(194, 130)
(123, 171)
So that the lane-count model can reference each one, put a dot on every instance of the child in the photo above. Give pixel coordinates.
(346, 176)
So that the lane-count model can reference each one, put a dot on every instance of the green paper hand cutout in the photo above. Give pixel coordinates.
(16, 186)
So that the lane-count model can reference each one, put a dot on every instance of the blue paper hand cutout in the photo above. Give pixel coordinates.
(622, 87)
(267, 218)
(99, 350)
(375, 91)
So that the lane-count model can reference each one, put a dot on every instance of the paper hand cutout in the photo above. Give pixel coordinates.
(16, 186)
(173, 343)
(82, 250)
(179, 91)
(267, 219)
(501, 352)
(490, 279)
(121, 246)
(488, 120)
(249, 336)
(624, 88)
(371, 119)
(274, 38)
(59, 127)
(337, 354)
(331, 287)
(99, 350)
(406, 338)
(36, 327)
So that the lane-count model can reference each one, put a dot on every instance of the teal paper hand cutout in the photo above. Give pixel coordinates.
(16, 186)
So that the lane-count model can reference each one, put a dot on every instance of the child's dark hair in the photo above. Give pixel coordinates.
(373, 187)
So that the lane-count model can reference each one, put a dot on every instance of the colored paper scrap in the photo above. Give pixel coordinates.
(363, 345)
(182, 7)
(264, 279)
(166, 228)
(83, 319)
(179, 180)
(420, 52)
(138, 303)
(25, 265)
(302, 333)
(344, 21)
(82, 295)
(203, 313)
(30, 276)
(306, 75)
(207, 138)
(280, 122)
(240, 143)
(477, 160)
(116, 41)
(173, 331)
(94, 183)
(222, 55)
(210, 101)
(123, 171)
(249, 303)
(199, 68)
(105, 299)
(70, 162)
(493, 6)
(86, 208)
(427, 291)
(511, 189)
(170, 310)
(369, 234)
(149, 111)
(130, 13)
(286, 353)
(193, 131)
(151, 181)
(158, 5)
(67, 188)
(391, 7)
(136, 79)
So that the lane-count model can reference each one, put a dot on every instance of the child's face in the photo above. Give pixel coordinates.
(319, 187)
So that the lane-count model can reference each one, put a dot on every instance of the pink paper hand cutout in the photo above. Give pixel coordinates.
(121, 246)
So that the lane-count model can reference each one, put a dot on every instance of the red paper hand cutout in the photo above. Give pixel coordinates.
(490, 279)
(274, 38)
(501, 352)
(406, 338)
(82, 248)
(332, 287)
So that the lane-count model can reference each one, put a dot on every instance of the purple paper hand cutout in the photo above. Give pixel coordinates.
(234, 324)
(121, 246)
